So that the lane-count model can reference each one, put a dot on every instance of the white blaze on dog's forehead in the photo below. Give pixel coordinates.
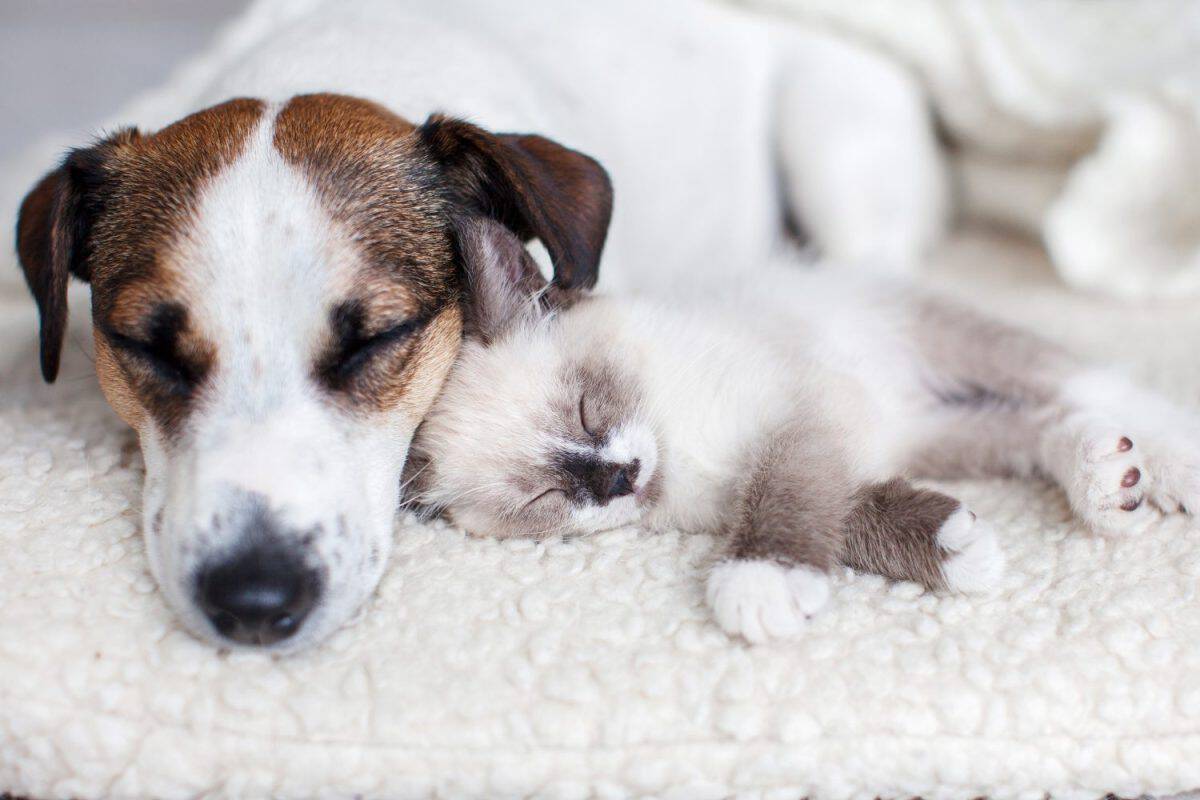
(259, 265)
(258, 268)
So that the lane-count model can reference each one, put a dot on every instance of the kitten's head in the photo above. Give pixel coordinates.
(541, 428)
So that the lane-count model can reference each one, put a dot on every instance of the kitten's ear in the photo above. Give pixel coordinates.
(504, 285)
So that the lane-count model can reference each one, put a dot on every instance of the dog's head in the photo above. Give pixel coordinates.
(277, 295)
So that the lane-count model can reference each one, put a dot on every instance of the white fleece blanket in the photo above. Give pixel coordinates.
(1077, 120)
(591, 668)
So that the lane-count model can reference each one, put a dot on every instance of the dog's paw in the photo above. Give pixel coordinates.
(973, 561)
(762, 600)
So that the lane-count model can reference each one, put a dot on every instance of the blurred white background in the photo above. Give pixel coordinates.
(64, 64)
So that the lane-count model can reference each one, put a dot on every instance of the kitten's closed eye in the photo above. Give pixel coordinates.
(545, 495)
(583, 418)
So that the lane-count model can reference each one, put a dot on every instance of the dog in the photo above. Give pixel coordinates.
(277, 283)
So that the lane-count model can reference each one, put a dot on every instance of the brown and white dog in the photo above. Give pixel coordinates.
(277, 287)
(276, 297)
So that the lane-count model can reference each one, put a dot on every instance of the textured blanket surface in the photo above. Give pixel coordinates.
(591, 668)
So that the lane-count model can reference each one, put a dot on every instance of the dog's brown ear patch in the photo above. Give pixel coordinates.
(52, 234)
(532, 185)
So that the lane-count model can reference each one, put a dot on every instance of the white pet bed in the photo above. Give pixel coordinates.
(591, 669)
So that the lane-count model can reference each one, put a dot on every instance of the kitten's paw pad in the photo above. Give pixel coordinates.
(1174, 482)
(1110, 483)
(762, 600)
(974, 561)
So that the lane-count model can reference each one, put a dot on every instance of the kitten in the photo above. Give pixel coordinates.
(784, 417)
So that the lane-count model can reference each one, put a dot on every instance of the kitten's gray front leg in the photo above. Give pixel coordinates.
(785, 532)
(905, 533)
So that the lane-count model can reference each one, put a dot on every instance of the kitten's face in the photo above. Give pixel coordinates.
(540, 433)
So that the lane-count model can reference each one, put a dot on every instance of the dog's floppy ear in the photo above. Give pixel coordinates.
(53, 228)
(533, 186)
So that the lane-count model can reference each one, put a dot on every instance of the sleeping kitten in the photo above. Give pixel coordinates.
(784, 417)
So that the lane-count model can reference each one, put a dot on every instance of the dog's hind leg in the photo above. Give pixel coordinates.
(909, 534)
(861, 166)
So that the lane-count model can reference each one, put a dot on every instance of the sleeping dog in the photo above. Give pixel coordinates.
(278, 287)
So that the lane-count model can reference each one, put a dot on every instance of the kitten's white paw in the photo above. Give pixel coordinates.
(1109, 486)
(974, 561)
(1121, 480)
(1173, 468)
(761, 600)
(1126, 456)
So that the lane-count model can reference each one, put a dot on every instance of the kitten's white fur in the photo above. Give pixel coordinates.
(762, 600)
(705, 375)
(977, 563)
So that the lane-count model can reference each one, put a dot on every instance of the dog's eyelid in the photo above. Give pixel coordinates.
(164, 361)
(394, 330)
(131, 343)
(357, 348)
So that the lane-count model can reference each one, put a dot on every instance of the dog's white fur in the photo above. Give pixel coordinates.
(685, 103)
(264, 431)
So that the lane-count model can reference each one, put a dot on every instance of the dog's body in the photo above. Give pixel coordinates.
(700, 113)
(785, 419)
(278, 282)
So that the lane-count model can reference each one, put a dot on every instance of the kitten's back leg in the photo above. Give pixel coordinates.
(906, 533)
(1006, 401)
(974, 360)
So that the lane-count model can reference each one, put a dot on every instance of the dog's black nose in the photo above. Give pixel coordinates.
(258, 597)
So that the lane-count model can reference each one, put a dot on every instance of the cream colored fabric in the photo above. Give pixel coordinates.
(591, 668)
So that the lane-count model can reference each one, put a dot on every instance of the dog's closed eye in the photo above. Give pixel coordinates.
(354, 348)
(357, 351)
(157, 350)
